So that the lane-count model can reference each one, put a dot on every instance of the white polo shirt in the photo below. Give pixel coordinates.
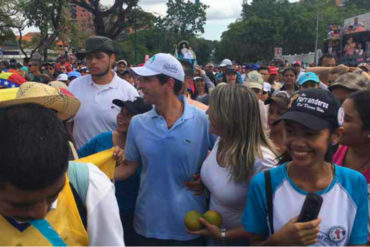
(97, 113)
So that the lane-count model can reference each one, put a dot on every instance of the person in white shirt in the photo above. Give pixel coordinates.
(97, 90)
(242, 150)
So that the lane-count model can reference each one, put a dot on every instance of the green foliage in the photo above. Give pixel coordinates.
(184, 18)
(360, 4)
(204, 49)
(154, 40)
(6, 34)
(8, 9)
(47, 15)
(267, 24)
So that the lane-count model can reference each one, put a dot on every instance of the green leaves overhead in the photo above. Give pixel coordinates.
(267, 24)
(184, 18)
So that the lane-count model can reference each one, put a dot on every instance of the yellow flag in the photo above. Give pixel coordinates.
(104, 160)
(8, 93)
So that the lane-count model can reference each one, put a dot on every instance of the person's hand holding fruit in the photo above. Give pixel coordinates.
(208, 224)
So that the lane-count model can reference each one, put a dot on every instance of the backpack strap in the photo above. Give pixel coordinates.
(78, 175)
(269, 201)
(80, 206)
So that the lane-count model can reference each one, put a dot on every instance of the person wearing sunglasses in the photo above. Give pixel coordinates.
(50, 70)
(35, 72)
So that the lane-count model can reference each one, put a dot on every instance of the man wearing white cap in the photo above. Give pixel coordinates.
(170, 142)
(223, 65)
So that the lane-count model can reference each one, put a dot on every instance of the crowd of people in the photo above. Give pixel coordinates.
(337, 30)
(248, 141)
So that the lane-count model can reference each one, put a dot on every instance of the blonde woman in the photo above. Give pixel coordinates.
(242, 150)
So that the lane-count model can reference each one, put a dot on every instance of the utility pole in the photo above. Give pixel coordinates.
(135, 36)
(317, 33)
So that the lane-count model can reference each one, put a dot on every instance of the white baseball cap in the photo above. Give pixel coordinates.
(266, 87)
(62, 77)
(161, 63)
(226, 62)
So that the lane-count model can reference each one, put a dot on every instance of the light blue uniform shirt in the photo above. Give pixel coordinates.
(343, 212)
(169, 157)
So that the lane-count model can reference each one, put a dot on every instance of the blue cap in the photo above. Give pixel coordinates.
(253, 66)
(74, 73)
(309, 76)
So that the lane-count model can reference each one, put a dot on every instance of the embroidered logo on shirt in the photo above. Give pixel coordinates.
(337, 234)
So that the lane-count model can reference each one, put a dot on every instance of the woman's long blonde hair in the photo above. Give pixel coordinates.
(234, 109)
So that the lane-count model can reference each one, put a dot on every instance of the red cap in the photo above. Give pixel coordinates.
(297, 63)
(273, 70)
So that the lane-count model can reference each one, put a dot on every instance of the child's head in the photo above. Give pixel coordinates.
(310, 126)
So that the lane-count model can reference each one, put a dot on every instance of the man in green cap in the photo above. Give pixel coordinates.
(97, 113)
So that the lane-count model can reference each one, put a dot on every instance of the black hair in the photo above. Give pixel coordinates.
(224, 77)
(197, 89)
(126, 72)
(26, 60)
(34, 147)
(109, 53)
(290, 69)
(362, 103)
(12, 63)
(263, 68)
(6, 64)
(326, 55)
(164, 79)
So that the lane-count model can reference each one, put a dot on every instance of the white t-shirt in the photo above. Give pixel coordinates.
(97, 113)
(227, 197)
(104, 225)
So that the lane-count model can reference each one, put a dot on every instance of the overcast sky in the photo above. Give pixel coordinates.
(219, 14)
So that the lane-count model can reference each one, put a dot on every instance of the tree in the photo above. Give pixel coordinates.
(360, 4)
(267, 24)
(49, 17)
(203, 48)
(109, 22)
(184, 18)
(7, 11)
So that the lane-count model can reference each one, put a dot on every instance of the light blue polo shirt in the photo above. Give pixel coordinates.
(169, 157)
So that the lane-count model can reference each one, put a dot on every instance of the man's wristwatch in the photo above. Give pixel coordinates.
(223, 236)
